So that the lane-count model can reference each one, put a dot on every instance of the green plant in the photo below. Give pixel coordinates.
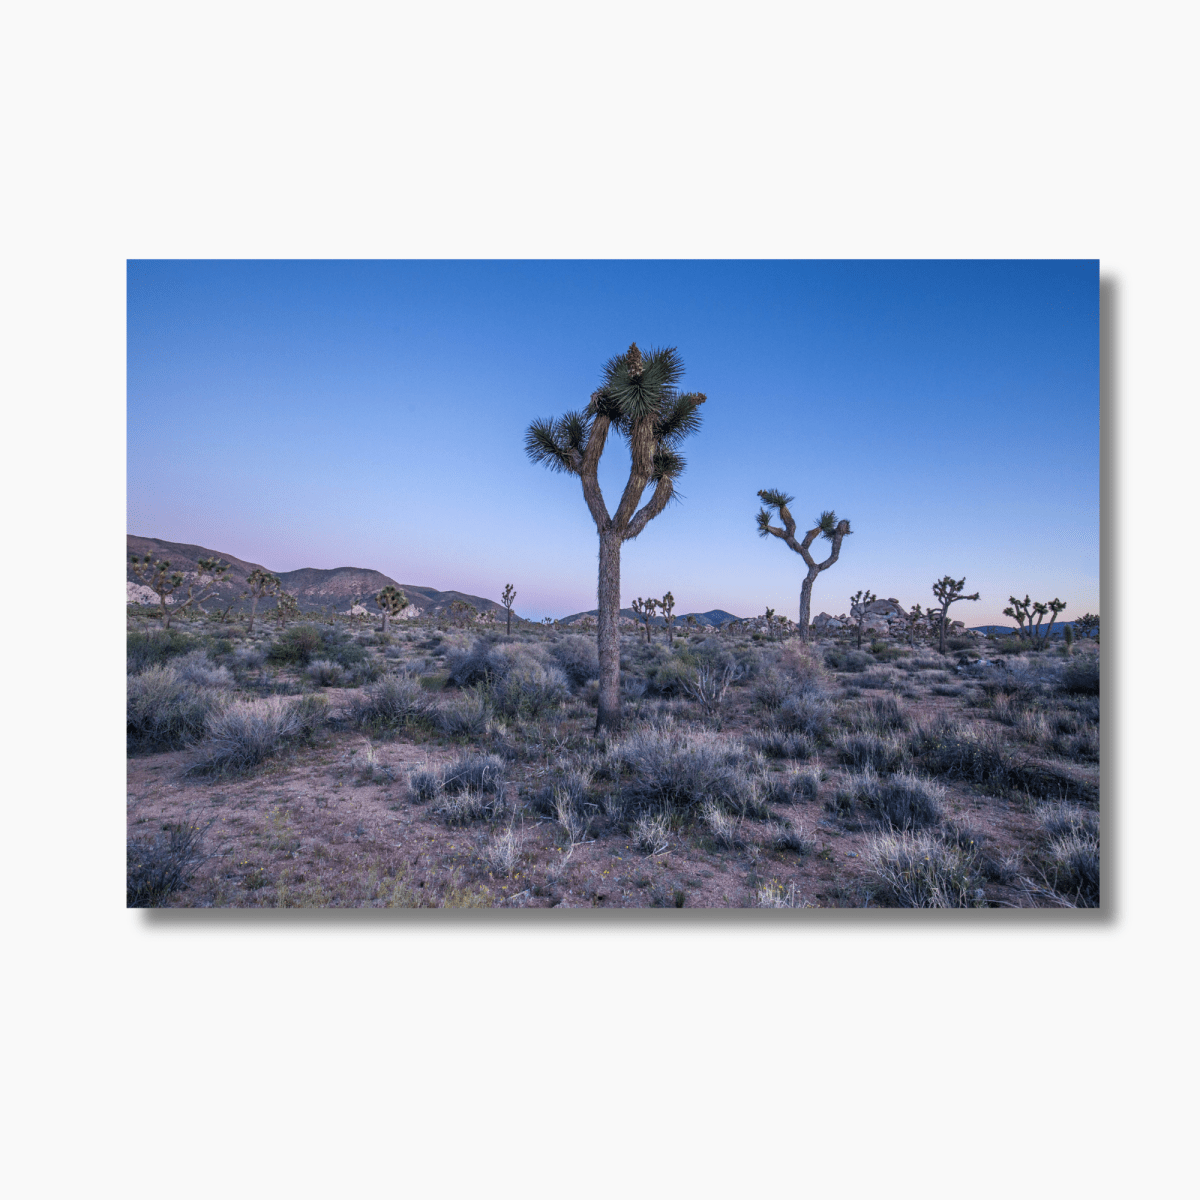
(156, 868)
(948, 591)
(1087, 626)
(827, 526)
(858, 611)
(640, 401)
(159, 577)
(259, 583)
(392, 601)
(507, 597)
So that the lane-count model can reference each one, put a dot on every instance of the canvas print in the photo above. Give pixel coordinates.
(601, 584)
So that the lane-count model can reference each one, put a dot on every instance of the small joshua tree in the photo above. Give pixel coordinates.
(159, 578)
(1088, 625)
(827, 526)
(287, 608)
(638, 400)
(1056, 606)
(461, 612)
(692, 623)
(948, 591)
(259, 583)
(858, 610)
(769, 617)
(1069, 636)
(645, 610)
(667, 604)
(506, 598)
(914, 615)
(1021, 611)
(393, 602)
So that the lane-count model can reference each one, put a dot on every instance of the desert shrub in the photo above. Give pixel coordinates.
(477, 772)
(871, 750)
(806, 709)
(886, 653)
(900, 801)
(876, 680)
(577, 658)
(919, 870)
(948, 689)
(425, 785)
(651, 833)
(249, 732)
(325, 673)
(665, 770)
(776, 744)
(1032, 727)
(839, 659)
(782, 835)
(1082, 676)
(775, 895)
(248, 658)
(574, 781)
(880, 715)
(722, 828)
(528, 689)
(466, 806)
(196, 667)
(297, 645)
(981, 756)
(157, 867)
(1075, 859)
(671, 679)
(154, 649)
(165, 712)
(1059, 820)
(502, 852)
(771, 690)
(465, 716)
(396, 702)
(478, 665)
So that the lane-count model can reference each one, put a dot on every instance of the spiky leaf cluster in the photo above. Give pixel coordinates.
(637, 389)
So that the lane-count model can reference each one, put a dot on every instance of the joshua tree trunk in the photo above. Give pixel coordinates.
(385, 621)
(806, 599)
(608, 600)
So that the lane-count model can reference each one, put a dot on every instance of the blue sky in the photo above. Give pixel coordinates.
(372, 414)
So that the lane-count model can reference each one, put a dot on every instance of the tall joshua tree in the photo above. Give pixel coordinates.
(667, 604)
(392, 601)
(946, 592)
(259, 583)
(827, 526)
(1056, 606)
(858, 610)
(506, 598)
(639, 400)
(159, 577)
(645, 610)
(1020, 611)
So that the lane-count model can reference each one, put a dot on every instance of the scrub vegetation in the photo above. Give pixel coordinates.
(328, 763)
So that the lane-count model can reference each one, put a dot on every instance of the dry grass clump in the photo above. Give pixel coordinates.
(651, 834)
(1072, 852)
(397, 702)
(901, 801)
(250, 731)
(775, 895)
(467, 806)
(919, 870)
(157, 867)
(783, 835)
(166, 712)
(877, 752)
(723, 829)
(782, 745)
(669, 771)
(502, 852)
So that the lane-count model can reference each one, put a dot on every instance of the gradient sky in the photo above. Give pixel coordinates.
(372, 414)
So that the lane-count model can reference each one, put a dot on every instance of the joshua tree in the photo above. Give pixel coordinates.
(645, 611)
(639, 400)
(259, 583)
(667, 604)
(159, 578)
(769, 616)
(827, 526)
(1056, 606)
(1088, 625)
(393, 602)
(692, 623)
(914, 615)
(506, 598)
(461, 612)
(1069, 636)
(1021, 611)
(948, 591)
(858, 610)
(287, 608)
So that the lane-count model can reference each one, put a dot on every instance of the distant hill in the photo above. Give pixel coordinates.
(712, 618)
(315, 590)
